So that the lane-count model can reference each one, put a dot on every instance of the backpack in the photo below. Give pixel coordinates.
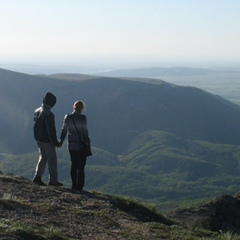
(39, 126)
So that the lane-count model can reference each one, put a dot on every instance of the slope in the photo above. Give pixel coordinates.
(29, 211)
(117, 110)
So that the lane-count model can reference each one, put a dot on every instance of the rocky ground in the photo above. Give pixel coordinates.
(219, 215)
(28, 211)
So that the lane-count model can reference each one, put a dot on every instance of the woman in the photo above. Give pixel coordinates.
(75, 124)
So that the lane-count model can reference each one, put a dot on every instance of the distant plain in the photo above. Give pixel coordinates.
(224, 84)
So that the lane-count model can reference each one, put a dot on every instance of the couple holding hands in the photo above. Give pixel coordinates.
(75, 126)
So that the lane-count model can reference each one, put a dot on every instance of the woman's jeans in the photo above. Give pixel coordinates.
(78, 162)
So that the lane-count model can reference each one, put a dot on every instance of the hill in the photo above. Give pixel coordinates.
(160, 168)
(222, 81)
(117, 110)
(156, 141)
(30, 212)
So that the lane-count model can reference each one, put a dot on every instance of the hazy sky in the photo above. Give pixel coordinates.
(144, 32)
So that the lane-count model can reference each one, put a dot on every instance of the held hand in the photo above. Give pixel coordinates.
(60, 144)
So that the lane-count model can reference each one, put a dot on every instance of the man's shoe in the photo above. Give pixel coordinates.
(39, 181)
(58, 184)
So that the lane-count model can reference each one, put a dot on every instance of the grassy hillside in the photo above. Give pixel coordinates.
(29, 211)
(117, 110)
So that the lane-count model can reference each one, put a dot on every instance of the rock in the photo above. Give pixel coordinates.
(219, 215)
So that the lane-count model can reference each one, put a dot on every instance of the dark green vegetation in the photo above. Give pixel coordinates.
(165, 144)
(160, 168)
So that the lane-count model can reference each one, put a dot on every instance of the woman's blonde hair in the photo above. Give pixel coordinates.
(79, 106)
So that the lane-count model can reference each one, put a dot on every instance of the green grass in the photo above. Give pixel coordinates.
(26, 231)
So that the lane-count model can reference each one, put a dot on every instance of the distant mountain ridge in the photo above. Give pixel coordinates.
(157, 71)
(117, 110)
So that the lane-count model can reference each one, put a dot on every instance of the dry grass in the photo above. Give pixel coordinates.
(28, 211)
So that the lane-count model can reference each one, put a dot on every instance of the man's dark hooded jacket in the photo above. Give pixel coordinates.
(44, 122)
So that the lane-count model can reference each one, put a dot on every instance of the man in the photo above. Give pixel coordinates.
(45, 135)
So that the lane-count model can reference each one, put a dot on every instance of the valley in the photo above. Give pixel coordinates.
(167, 144)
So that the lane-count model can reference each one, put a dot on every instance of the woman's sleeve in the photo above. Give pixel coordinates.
(64, 129)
